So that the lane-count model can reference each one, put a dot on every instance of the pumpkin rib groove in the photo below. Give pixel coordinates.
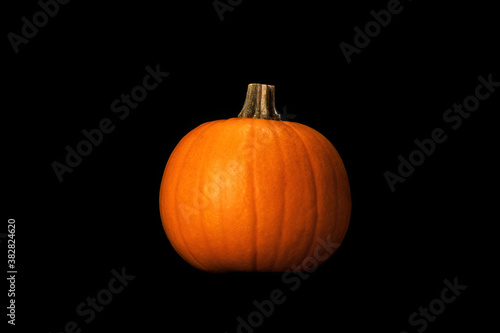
(279, 145)
(223, 225)
(337, 181)
(338, 170)
(198, 177)
(188, 151)
(325, 146)
(179, 234)
(163, 210)
(315, 191)
(254, 199)
(337, 214)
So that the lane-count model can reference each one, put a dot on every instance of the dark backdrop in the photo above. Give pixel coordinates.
(401, 245)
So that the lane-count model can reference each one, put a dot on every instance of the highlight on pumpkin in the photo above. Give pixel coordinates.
(255, 193)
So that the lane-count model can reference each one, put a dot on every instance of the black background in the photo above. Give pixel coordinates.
(400, 246)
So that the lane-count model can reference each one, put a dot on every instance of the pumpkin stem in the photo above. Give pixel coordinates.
(259, 103)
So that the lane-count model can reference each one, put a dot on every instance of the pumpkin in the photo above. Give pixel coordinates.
(255, 193)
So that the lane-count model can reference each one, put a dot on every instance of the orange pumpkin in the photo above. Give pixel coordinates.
(255, 193)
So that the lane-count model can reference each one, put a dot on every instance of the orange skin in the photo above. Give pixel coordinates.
(248, 194)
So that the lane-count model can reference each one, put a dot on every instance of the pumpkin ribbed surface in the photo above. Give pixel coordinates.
(247, 194)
